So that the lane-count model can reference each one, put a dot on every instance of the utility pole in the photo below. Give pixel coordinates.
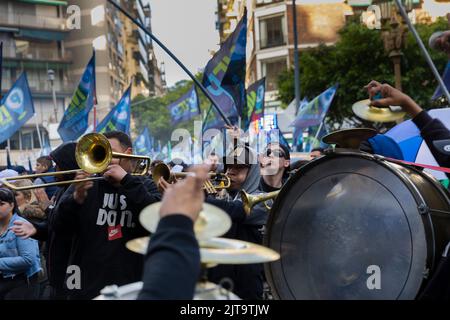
(296, 60)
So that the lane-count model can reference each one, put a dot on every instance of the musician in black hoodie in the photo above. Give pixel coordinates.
(103, 216)
(57, 245)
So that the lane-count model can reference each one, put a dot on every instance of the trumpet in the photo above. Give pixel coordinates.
(250, 200)
(93, 154)
(217, 181)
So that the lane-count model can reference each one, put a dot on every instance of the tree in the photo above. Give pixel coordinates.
(353, 61)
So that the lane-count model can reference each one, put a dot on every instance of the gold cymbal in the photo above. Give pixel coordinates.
(374, 114)
(220, 251)
(349, 138)
(212, 221)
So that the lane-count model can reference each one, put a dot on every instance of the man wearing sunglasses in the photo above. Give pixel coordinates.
(274, 165)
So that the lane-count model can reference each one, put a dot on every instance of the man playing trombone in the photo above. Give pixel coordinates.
(103, 216)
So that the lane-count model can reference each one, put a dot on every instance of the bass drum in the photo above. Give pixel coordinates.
(354, 226)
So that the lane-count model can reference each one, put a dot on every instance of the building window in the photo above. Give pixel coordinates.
(271, 69)
(272, 32)
(27, 141)
(14, 141)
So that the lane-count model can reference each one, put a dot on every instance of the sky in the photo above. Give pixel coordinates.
(187, 28)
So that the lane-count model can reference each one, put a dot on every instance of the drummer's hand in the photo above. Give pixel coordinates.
(185, 197)
(81, 188)
(443, 42)
(391, 97)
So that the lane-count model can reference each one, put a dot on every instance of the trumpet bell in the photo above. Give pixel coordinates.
(93, 153)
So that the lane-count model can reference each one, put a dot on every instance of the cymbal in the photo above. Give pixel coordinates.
(220, 251)
(212, 221)
(349, 138)
(374, 114)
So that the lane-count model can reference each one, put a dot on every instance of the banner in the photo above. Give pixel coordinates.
(313, 113)
(16, 107)
(185, 108)
(75, 120)
(118, 119)
(143, 144)
(255, 102)
(224, 75)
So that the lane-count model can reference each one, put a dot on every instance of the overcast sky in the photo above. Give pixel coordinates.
(187, 28)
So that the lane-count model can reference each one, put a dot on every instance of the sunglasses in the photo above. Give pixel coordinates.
(276, 153)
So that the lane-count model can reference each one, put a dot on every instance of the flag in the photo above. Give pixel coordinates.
(1, 64)
(255, 102)
(45, 151)
(185, 107)
(297, 136)
(8, 159)
(75, 120)
(446, 78)
(212, 120)
(314, 139)
(275, 134)
(314, 112)
(224, 75)
(16, 107)
(143, 145)
(118, 119)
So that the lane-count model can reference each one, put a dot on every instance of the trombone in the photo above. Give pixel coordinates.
(93, 154)
(250, 200)
(221, 181)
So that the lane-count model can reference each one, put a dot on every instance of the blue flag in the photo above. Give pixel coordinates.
(224, 75)
(16, 108)
(118, 119)
(446, 79)
(185, 107)
(313, 113)
(143, 144)
(314, 139)
(75, 120)
(255, 102)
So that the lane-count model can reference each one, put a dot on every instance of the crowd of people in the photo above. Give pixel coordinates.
(68, 241)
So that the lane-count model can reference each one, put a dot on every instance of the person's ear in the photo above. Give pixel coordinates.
(129, 151)
(287, 163)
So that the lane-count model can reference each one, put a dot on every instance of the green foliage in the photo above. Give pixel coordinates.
(353, 61)
(153, 112)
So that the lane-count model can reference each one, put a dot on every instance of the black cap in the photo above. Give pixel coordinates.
(64, 156)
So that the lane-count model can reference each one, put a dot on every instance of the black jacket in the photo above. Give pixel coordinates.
(172, 263)
(432, 130)
(102, 226)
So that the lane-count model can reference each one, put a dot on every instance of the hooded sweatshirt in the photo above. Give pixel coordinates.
(102, 226)
(247, 279)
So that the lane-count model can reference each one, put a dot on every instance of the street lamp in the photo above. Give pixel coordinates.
(51, 78)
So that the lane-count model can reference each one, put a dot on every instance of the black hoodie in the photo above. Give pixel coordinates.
(102, 226)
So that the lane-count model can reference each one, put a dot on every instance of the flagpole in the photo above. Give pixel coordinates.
(423, 49)
(38, 131)
(207, 94)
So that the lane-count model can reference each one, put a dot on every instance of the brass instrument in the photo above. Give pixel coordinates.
(250, 200)
(93, 154)
(217, 181)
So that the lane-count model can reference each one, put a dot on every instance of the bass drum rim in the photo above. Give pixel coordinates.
(273, 270)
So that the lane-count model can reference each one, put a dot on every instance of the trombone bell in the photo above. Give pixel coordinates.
(250, 200)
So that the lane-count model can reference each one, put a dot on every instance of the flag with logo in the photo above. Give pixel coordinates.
(314, 139)
(75, 120)
(118, 119)
(16, 107)
(255, 102)
(185, 107)
(143, 144)
(212, 120)
(224, 75)
(314, 112)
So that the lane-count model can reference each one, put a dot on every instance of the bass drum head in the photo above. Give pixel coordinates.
(346, 227)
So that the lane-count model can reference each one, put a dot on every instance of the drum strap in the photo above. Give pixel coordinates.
(426, 166)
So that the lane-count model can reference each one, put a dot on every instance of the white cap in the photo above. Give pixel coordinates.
(433, 38)
(8, 173)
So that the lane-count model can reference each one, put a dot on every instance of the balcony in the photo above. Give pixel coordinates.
(43, 86)
(31, 21)
(40, 54)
